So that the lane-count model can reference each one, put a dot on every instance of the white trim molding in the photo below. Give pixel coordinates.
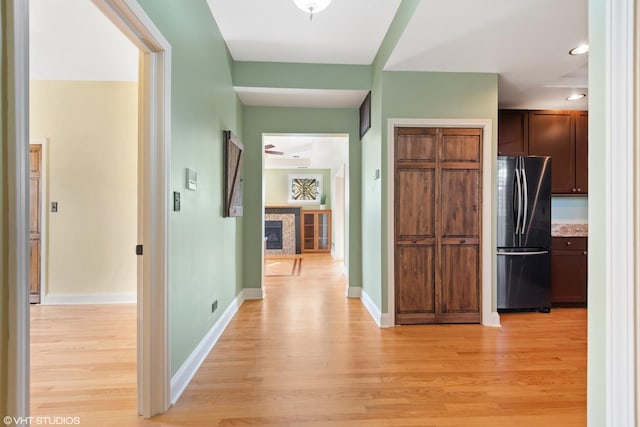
(77, 299)
(372, 308)
(17, 174)
(153, 220)
(621, 194)
(490, 317)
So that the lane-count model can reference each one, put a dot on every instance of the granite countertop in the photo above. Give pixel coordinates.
(569, 230)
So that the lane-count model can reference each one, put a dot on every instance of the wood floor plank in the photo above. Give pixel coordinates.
(308, 356)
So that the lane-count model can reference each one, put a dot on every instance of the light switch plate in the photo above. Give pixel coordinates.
(192, 179)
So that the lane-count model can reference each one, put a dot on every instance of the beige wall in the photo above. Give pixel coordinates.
(91, 150)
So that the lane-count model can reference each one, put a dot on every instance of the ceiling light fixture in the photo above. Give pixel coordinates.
(312, 6)
(582, 49)
(576, 96)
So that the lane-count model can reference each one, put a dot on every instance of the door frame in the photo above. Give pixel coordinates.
(259, 294)
(490, 316)
(154, 143)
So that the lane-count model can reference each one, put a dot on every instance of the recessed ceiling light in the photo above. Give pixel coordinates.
(582, 49)
(576, 96)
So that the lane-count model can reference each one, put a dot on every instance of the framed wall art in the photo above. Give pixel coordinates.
(304, 188)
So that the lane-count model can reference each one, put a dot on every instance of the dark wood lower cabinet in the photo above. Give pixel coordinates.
(569, 271)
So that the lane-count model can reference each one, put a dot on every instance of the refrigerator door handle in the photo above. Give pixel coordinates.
(525, 198)
(519, 200)
(522, 253)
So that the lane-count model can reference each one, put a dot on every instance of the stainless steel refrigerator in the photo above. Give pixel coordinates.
(524, 233)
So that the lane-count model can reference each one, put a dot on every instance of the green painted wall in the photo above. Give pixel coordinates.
(259, 120)
(597, 316)
(302, 76)
(204, 247)
(276, 186)
(372, 147)
(433, 96)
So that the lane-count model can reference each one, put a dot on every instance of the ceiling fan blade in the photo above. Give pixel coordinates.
(278, 153)
(268, 146)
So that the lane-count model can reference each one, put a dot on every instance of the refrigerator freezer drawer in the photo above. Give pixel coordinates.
(524, 280)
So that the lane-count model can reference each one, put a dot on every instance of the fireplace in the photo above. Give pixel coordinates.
(273, 233)
(290, 219)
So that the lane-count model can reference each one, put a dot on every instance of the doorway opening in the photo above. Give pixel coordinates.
(304, 201)
(86, 109)
(153, 136)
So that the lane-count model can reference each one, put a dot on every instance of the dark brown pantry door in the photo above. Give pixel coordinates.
(437, 209)
(35, 200)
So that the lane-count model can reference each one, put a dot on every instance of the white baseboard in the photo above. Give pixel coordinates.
(354, 292)
(493, 320)
(374, 311)
(73, 299)
(386, 321)
(182, 378)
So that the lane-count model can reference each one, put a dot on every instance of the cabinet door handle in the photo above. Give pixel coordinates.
(573, 190)
(579, 190)
(569, 243)
(584, 253)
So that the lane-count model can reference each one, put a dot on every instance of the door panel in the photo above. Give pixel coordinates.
(420, 145)
(461, 283)
(507, 204)
(34, 268)
(460, 203)
(523, 281)
(537, 226)
(461, 148)
(415, 282)
(416, 201)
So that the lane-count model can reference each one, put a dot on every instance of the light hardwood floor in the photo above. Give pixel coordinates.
(308, 356)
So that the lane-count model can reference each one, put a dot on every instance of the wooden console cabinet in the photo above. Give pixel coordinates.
(316, 230)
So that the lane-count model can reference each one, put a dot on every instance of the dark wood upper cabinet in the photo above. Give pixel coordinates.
(561, 134)
(513, 132)
(582, 152)
(552, 133)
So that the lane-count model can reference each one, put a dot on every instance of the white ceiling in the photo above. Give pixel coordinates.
(73, 40)
(525, 41)
(304, 151)
(346, 32)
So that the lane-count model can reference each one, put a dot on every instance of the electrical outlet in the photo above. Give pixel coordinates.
(214, 306)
